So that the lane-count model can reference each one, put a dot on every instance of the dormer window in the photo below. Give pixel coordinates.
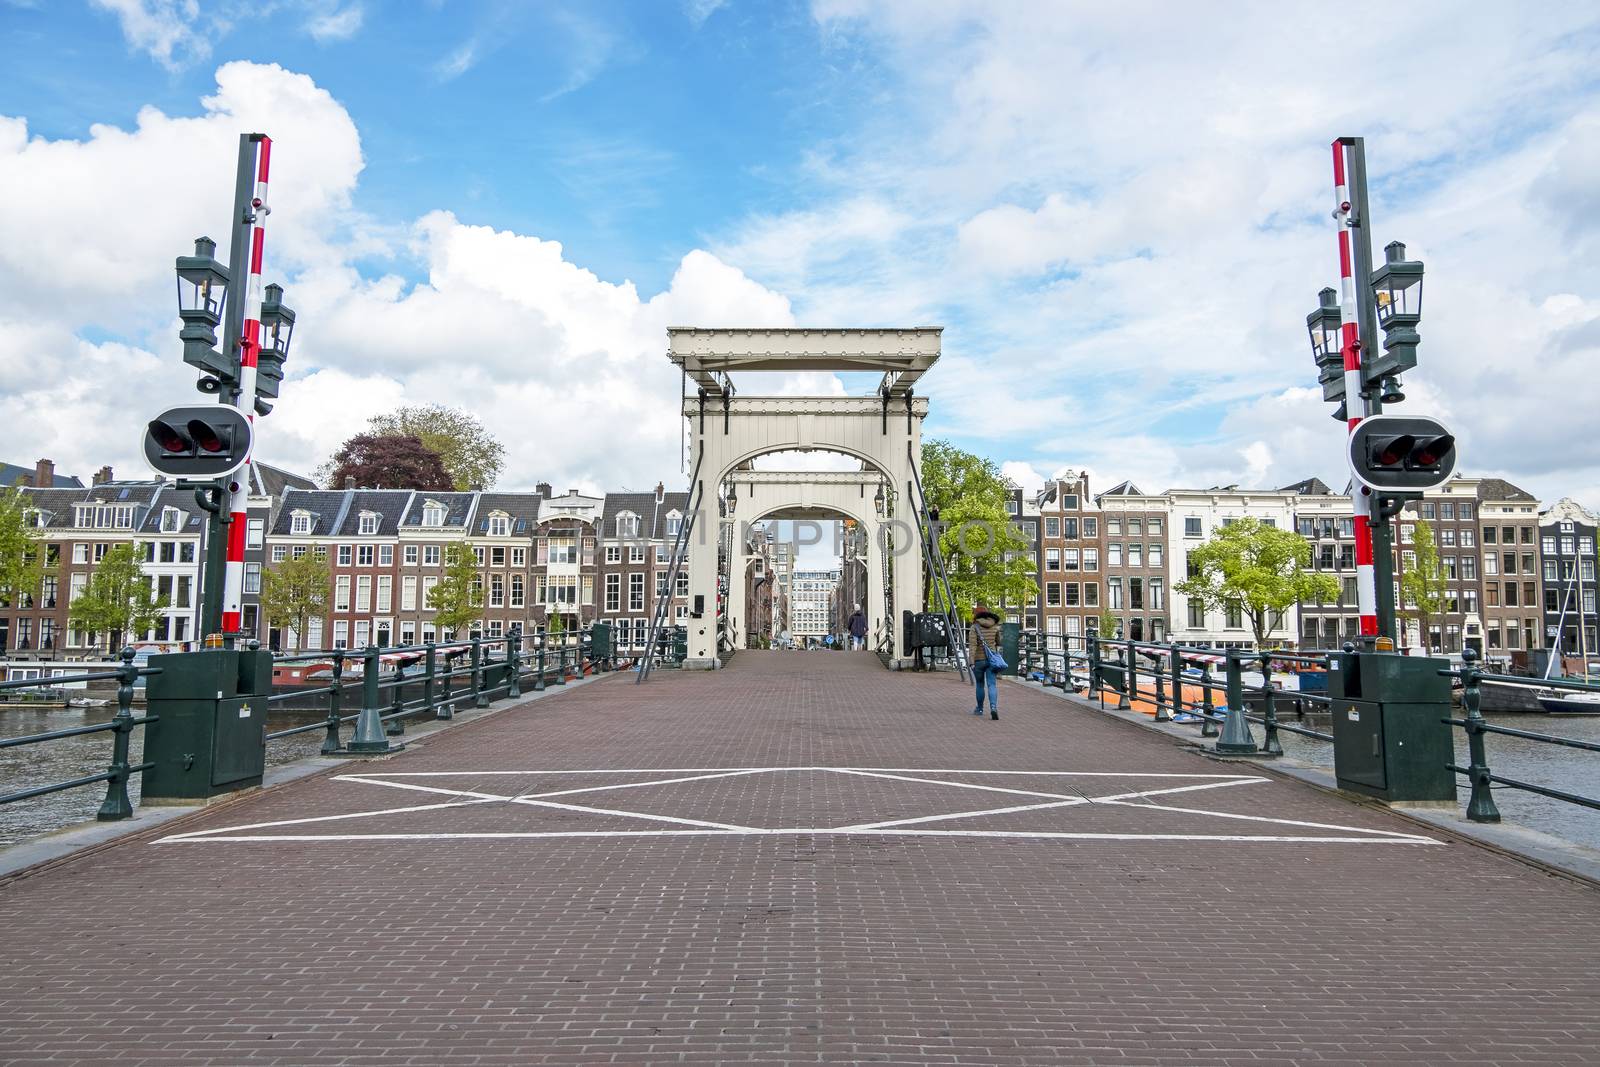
(368, 523)
(433, 513)
(104, 517)
(674, 521)
(627, 524)
(171, 520)
(33, 517)
(499, 525)
(300, 523)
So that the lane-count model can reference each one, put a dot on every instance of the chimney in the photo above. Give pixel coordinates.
(572, 492)
(102, 476)
(545, 490)
(349, 481)
(44, 475)
(661, 492)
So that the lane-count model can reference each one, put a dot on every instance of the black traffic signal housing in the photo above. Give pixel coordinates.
(207, 441)
(1401, 452)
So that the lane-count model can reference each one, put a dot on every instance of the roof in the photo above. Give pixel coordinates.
(523, 508)
(1309, 487)
(1123, 489)
(170, 497)
(273, 481)
(13, 474)
(388, 504)
(652, 519)
(58, 505)
(1500, 489)
(325, 505)
(458, 509)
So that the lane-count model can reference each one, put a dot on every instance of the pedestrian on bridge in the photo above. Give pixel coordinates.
(983, 636)
(858, 630)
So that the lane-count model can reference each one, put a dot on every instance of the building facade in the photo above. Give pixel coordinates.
(1194, 516)
(811, 606)
(1567, 532)
(1069, 559)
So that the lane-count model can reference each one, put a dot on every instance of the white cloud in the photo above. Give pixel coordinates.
(700, 10)
(457, 62)
(163, 28)
(569, 371)
(336, 23)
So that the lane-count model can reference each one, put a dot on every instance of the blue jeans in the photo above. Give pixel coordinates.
(981, 671)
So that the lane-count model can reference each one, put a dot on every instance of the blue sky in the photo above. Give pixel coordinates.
(1120, 215)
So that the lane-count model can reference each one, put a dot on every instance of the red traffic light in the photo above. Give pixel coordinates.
(1432, 450)
(168, 437)
(207, 437)
(1390, 451)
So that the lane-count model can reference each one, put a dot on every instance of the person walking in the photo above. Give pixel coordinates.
(858, 629)
(982, 636)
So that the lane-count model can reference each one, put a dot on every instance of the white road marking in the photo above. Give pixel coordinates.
(890, 828)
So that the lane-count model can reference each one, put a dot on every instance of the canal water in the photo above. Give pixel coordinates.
(73, 757)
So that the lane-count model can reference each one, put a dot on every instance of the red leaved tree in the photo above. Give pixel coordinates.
(388, 461)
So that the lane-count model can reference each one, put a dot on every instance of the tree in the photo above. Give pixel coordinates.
(21, 562)
(986, 557)
(470, 455)
(119, 599)
(295, 591)
(1258, 570)
(387, 461)
(1106, 625)
(1422, 584)
(457, 601)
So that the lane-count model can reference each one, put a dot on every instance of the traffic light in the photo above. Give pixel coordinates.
(1398, 452)
(198, 442)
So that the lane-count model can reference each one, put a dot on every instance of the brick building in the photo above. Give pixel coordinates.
(1069, 555)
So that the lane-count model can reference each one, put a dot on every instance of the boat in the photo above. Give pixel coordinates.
(1569, 703)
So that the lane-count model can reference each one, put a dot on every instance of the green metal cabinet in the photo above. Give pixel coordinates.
(1010, 645)
(1389, 736)
(600, 641)
(210, 737)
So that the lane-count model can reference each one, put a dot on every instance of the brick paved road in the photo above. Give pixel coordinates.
(734, 919)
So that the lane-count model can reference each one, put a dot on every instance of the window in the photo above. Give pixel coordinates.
(1052, 594)
(1347, 592)
(477, 554)
(411, 555)
(1052, 526)
(1566, 545)
(430, 555)
(627, 525)
(428, 583)
(1447, 536)
(1491, 565)
(517, 591)
(1114, 554)
(1135, 554)
(1197, 615)
(1469, 568)
(433, 513)
(1157, 595)
(1069, 559)
(368, 524)
(364, 555)
(341, 593)
(341, 634)
(1135, 527)
(1428, 511)
(1114, 527)
(1071, 594)
(1091, 594)
(1091, 527)
(1155, 554)
(408, 593)
(1114, 593)
(497, 591)
(1136, 593)
(497, 556)
(1511, 594)
(1052, 559)
(1547, 545)
(252, 577)
(1233, 618)
(345, 554)
(674, 523)
(499, 525)
(1069, 529)
(385, 592)
(1191, 526)
(562, 548)
(1091, 559)
(364, 592)
(1508, 535)
(636, 592)
(1069, 502)
(519, 557)
(300, 523)
(1154, 525)
(385, 555)
(80, 552)
(613, 553)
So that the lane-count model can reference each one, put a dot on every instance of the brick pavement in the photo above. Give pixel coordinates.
(1245, 919)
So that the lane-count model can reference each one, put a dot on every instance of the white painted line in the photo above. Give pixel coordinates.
(639, 785)
(815, 831)
(330, 818)
(632, 814)
(1262, 818)
(958, 785)
(1174, 789)
(1069, 802)
(755, 770)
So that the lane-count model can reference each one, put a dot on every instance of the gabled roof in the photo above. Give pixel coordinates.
(267, 480)
(169, 497)
(12, 474)
(388, 504)
(1309, 487)
(325, 505)
(458, 509)
(652, 518)
(1499, 489)
(523, 508)
(1123, 489)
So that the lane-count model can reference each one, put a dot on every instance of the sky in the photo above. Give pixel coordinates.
(1119, 213)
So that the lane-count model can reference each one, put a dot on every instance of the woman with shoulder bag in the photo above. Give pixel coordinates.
(983, 644)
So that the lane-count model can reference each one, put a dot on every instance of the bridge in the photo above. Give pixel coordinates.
(802, 857)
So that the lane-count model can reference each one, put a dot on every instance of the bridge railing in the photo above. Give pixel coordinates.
(1481, 806)
(121, 726)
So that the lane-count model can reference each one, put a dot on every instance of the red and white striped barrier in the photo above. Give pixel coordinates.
(1350, 344)
(249, 352)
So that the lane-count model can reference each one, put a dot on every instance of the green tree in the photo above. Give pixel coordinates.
(457, 601)
(21, 561)
(119, 600)
(294, 592)
(1107, 623)
(1259, 570)
(470, 453)
(556, 624)
(986, 556)
(1422, 584)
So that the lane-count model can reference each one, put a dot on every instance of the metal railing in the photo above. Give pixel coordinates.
(1481, 806)
(116, 804)
(1175, 682)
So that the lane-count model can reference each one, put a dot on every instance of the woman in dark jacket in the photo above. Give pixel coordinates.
(985, 631)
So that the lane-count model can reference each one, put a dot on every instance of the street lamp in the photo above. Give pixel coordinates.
(202, 295)
(732, 499)
(1397, 286)
(878, 502)
(1325, 326)
(277, 327)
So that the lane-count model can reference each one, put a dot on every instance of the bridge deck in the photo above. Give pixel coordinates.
(882, 878)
